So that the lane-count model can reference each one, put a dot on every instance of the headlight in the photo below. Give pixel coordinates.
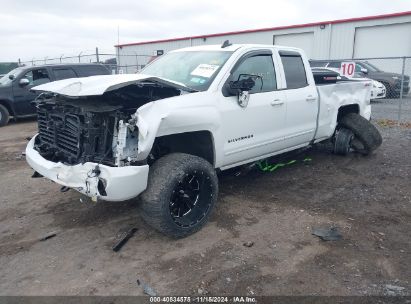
(395, 77)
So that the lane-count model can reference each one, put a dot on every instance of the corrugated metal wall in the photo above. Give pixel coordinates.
(332, 42)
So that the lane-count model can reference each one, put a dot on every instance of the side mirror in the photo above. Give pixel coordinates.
(241, 88)
(24, 82)
(364, 71)
(11, 76)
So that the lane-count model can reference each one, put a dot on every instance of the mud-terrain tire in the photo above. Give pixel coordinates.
(4, 116)
(366, 136)
(180, 196)
(342, 143)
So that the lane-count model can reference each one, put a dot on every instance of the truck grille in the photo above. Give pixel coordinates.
(61, 132)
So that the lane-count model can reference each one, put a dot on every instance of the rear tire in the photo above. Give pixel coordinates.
(4, 116)
(181, 193)
(366, 136)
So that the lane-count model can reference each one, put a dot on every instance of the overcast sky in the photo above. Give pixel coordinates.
(36, 29)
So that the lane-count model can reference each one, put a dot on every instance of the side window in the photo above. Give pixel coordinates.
(334, 64)
(294, 70)
(64, 73)
(37, 77)
(91, 70)
(358, 68)
(29, 77)
(261, 65)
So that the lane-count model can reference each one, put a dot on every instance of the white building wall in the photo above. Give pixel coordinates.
(343, 36)
(334, 41)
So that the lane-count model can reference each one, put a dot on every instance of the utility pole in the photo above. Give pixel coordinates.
(118, 49)
(97, 57)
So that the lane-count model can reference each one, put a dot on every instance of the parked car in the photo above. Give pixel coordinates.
(15, 87)
(377, 90)
(391, 81)
(165, 133)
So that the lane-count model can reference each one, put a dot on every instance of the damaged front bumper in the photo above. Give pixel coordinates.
(106, 183)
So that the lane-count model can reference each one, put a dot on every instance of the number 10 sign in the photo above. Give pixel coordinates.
(347, 69)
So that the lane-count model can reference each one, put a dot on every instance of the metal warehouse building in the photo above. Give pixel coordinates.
(373, 36)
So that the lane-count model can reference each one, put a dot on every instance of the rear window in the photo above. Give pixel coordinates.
(64, 73)
(318, 64)
(334, 64)
(294, 70)
(91, 70)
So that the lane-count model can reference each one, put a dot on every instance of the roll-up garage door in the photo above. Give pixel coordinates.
(383, 41)
(301, 40)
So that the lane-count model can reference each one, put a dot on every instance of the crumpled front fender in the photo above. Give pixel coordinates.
(155, 120)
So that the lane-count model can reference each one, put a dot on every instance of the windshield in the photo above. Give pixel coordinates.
(194, 69)
(6, 78)
(370, 67)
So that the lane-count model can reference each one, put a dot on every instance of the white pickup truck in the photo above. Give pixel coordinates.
(164, 133)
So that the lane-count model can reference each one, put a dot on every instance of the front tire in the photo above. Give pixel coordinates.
(4, 116)
(181, 193)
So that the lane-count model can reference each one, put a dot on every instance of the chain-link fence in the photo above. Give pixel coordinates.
(133, 62)
(390, 94)
(391, 97)
(126, 63)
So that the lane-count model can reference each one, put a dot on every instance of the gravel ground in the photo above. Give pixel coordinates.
(367, 198)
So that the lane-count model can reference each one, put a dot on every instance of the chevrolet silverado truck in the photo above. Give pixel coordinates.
(163, 134)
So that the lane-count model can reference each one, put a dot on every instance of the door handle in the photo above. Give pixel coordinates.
(277, 102)
(311, 98)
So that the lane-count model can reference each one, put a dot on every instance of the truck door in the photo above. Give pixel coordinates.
(21, 90)
(301, 98)
(257, 129)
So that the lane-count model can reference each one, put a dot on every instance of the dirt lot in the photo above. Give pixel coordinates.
(368, 198)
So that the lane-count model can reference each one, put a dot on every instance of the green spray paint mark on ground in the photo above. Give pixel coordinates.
(266, 167)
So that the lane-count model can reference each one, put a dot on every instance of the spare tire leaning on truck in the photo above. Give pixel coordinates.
(357, 133)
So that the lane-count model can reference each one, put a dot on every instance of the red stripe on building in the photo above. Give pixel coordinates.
(272, 28)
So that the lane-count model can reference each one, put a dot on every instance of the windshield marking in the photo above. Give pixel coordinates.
(205, 70)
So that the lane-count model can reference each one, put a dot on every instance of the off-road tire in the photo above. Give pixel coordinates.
(342, 143)
(4, 116)
(166, 175)
(366, 136)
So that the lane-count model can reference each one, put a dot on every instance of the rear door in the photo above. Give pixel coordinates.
(91, 70)
(257, 129)
(61, 73)
(301, 98)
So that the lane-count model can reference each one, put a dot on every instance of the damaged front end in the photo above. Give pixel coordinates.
(90, 143)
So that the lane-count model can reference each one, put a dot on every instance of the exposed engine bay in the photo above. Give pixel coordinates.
(100, 129)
